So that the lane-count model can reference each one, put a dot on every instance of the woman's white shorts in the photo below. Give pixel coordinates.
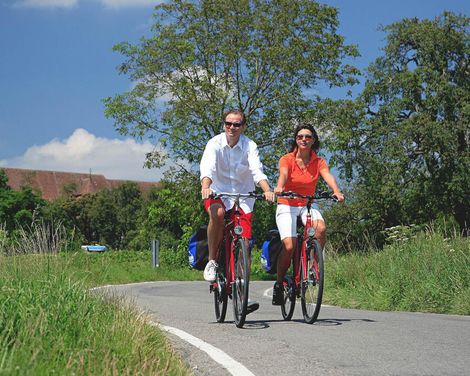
(286, 219)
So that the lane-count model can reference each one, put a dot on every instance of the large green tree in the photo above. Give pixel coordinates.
(405, 141)
(205, 56)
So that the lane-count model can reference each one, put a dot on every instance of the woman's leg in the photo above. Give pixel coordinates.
(320, 231)
(283, 262)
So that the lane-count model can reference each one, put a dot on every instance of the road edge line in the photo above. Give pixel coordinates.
(231, 365)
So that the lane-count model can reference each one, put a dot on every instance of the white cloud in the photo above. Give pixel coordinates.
(46, 3)
(82, 151)
(116, 4)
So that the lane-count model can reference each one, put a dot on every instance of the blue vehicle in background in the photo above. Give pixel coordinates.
(94, 248)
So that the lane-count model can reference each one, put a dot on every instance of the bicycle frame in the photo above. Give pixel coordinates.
(300, 253)
(308, 274)
(233, 280)
(228, 245)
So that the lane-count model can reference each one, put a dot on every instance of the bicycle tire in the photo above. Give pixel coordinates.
(288, 300)
(241, 283)
(311, 283)
(220, 299)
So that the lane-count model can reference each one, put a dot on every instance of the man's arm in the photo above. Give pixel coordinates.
(268, 194)
(256, 168)
(207, 168)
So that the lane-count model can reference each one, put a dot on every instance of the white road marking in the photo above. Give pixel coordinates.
(231, 365)
(123, 284)
(235, 368)
(268, 293)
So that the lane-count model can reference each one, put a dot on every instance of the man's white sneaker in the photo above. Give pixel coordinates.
(210, 271)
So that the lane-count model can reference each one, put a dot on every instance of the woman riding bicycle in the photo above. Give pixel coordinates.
(299, 171)
(230, 163)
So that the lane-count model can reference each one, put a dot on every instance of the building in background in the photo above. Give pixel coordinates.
(54, 184)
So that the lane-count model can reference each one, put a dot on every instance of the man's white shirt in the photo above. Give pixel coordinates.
(232, 169)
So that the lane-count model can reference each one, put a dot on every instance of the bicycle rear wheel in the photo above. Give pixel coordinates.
(311, 278)
(288, 299)
(241, 283)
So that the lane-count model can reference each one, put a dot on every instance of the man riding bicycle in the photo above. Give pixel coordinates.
(230, 163)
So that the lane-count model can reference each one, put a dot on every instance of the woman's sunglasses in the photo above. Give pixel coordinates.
(304, 136)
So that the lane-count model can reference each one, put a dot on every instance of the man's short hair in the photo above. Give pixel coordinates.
(236, 112)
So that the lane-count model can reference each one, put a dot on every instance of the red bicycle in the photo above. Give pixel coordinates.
(233, 275)
(307, 280)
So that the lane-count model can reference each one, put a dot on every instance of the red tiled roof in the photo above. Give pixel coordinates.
(53, 184)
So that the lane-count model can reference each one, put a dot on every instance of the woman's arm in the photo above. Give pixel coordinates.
(331, 181)
(281, 181)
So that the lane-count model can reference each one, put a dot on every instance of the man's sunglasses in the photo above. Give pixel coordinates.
(228, 124)
(306, 136)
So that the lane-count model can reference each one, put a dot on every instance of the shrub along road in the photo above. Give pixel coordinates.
(341, 342)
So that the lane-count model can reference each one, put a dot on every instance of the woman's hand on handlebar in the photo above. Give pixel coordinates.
(339, 196)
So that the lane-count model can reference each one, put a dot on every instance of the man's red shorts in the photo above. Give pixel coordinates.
(245, 219)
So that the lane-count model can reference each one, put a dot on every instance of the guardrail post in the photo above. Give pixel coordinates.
(155, 250)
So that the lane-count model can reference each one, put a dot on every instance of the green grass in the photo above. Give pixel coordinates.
(425, 274)
(51, 324)
(117, 267)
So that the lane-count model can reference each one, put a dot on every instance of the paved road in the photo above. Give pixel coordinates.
(341, 342)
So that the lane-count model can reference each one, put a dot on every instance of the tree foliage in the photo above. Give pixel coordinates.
(17, 208)
(206, 56)
(404, 143)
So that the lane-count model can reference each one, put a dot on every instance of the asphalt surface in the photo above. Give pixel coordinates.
(341, 342)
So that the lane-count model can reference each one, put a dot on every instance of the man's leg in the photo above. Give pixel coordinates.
(215, 233)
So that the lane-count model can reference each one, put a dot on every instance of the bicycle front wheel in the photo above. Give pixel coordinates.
(240, 283)
(311, 278)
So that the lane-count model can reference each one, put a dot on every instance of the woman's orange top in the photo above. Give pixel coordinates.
(302, 181)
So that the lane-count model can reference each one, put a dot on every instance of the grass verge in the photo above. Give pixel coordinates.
(51, 324)
(426, 274)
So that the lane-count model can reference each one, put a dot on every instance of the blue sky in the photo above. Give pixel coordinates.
(57, 64)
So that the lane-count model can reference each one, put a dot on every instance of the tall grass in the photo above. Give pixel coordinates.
(39, 237)
(427, 273)
(50, 323)
(3, 238)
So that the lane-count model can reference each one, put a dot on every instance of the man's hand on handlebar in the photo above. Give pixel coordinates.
(269, 196)
(206, 193)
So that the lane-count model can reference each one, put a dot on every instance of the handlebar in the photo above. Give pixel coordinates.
(317, 196)
(254, 195)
